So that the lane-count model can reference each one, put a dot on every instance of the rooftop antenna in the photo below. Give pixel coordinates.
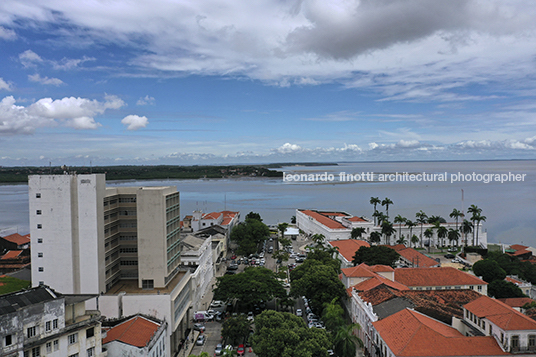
(225, 202)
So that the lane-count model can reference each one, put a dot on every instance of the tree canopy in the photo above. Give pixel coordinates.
(235, 329)
(249, 234)
(376, 255)
(500, 289)
(254, 285)
(253, 215)
(489, 270)
(281, 334)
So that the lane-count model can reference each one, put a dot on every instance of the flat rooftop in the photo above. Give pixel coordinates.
(131, 287)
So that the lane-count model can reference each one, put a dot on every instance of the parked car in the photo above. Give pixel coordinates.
(216, 303)
(241, 350)
(219, 350)
(200, 340)
(299, 312)
(449, 256)
(199, 327)
(250, 316)
(233, 257)
(232, 267)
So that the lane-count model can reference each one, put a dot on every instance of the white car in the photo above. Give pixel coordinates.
(299, 312)
(216, 303)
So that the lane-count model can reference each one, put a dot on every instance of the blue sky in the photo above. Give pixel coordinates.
(214, 81)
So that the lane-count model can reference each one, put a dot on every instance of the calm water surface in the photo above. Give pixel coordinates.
(509, 206)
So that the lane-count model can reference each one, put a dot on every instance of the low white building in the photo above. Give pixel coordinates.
(42, 322)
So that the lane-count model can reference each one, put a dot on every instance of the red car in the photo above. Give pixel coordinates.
(240, 350)
(233, 257)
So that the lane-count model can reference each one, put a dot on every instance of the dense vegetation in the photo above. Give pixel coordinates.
(9, 284)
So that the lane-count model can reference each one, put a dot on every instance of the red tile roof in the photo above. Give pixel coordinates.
(516, 302)
(377, 295)
(409, 333)
(415, 257)
(322, 219)
(356, 219)
(518, 247)
(348, 247)
(445, 276)
(513, 280)
(18, 239)
(380, 268)
(137, 331)
(11, 254)
(212, 215)
(500, 314)
(377, 281)
(360, 271)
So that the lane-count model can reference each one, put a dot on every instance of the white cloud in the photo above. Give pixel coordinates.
(71, 63)
(45, 80)
(145, 101)
(288, 148)
(7, 34)
(29, 58)
(5, 85)
(73, 112)
(135, 122)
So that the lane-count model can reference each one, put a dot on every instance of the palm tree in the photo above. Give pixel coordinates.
(479, 218)
(421, 219)
(475, 211)
(282, 227)
(318, 239)
(380, 217)
(375, 237)
(386, 203)
(414, 240)
(401, 240)
(442, 233)
(467, 227)
(455, 214)
(399, 219)
(388, 230)
(375, 201)
(357, 232)
(345, 343)
(454, 235)
(410, 224)
(429, 233)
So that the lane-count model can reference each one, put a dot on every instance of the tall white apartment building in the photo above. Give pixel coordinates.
(86, 237)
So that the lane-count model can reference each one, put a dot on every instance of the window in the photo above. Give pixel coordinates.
(56, 345)
(49, 347)
(514, 343)
(40, 255)
(38, 195)
(532, 342)
(36, 351)
(72, 338)
(90, 332)
(41, 269)
(8, 340)
(31, 331)
(48, 325)
(74, 355)
(27, 353)
(38, 212)
(39, 226)
(39, 240)
(91, 352)
(479, 288)
(55, 323)
(147, 284)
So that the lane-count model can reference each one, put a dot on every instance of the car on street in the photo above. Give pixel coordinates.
(449, 256)
(200, 340)
(233, 257)
(232, 267)
(216, 303)
(331, 353)
(299, 312)
(219, 350)
(199, 327)
(241, 350)
(250, 316)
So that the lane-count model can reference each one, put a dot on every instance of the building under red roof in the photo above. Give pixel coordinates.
(500, 314)
(18, 239)
(324, 219)
(410, 333)
(413, 257)
(348, 247)
(136, 331)
(12, 254)
(436, 277)
(517, 302)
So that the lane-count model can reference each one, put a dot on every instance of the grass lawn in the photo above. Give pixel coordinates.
(9, 284)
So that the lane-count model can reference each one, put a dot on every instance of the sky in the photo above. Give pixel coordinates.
(219, 82)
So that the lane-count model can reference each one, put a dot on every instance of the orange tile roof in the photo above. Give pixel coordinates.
(380, 268)
(226, 221)
(415, 257)
(356, 219)
(18, 239)
(444, 276)
(212, 215)
(515, 281)
(360, 271)
(522, 252)
(516, 302)
(137, 331)
(518, 247)
(326, 221)
(348, 247)
(377, 281)
(378, 294)
(11, 254)
(500, 314)
(409, 333)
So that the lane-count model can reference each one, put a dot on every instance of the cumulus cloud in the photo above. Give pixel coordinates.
(5, 85)
(135, 122)
(71, 63)
(77, 113)
(45, 80)
(29, 58)
(7, 34)
(494, 145)
(288, 148)
(147, 100)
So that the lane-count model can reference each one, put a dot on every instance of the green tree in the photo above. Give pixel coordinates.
(479, 218)
(293, 219)
(253, 215)
(203, 354)
(248, 235)
(414, 240)
(456, 215)
(345, 343)
(500, 289)
(489, 270)
(281, 227)
(235, 329)
(325, 257)
(280, 334)
(454, 236)
(388, 230)
(386, 202)
(375, 201)
(436, 219)
(429, 233)
(421, 218)
(442, 233)
(410, 224)
(375, 237)
(319, 282)
(376, 255)
(333, 316)
(357, 232)
(467, 227)
(400, 220)
(254, 285)
(475, 212)
(319, 239)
